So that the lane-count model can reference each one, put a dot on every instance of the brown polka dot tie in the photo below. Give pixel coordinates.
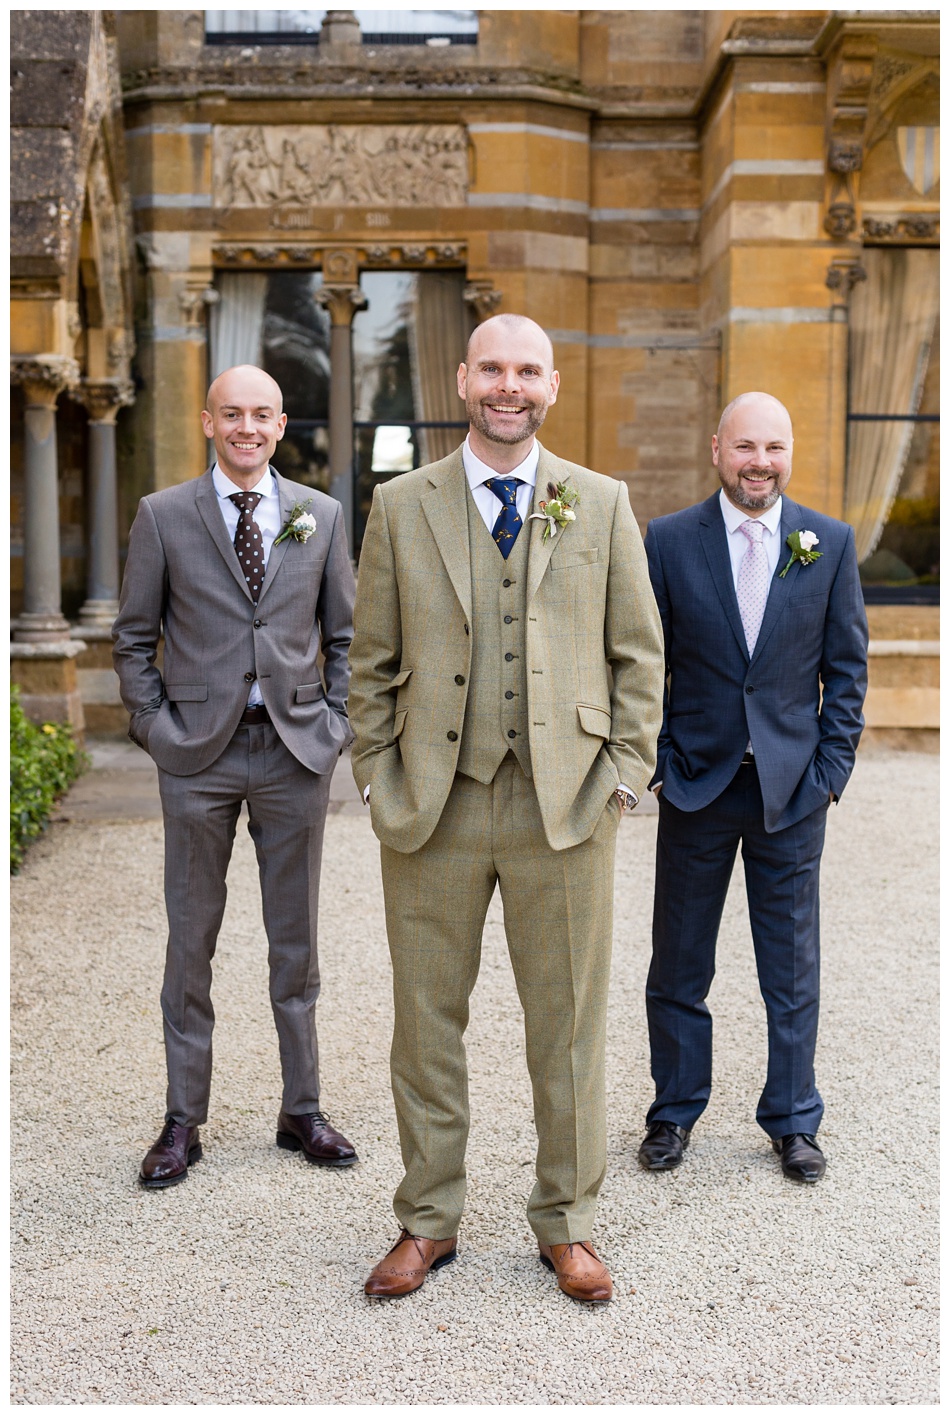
(248, 541)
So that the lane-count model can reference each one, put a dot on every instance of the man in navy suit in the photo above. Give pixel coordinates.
(767, 665)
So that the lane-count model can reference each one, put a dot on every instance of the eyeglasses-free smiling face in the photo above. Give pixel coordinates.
(245, 421)
(753, 452)
(508, 381)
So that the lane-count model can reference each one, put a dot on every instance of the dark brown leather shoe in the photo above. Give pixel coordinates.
(167, 1161)
(663, 1145)
(317, 1138)
(801, 1157)
(408, 1263)
(580, 1273)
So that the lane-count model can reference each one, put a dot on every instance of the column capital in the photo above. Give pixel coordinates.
(342, 302)
(103, 397)
(43, 377)
(482, 297)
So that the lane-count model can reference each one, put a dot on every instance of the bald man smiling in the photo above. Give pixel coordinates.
(247, 576)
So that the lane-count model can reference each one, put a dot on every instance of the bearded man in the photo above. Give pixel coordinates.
(506, 696)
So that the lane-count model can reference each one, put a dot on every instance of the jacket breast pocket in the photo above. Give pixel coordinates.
(309, 693)
(571, 559)
(186, 692)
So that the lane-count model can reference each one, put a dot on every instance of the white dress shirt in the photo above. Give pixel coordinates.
(488, 504)
(267, 517)
(770, 521)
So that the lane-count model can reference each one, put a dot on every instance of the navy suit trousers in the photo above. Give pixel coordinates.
(696, 851)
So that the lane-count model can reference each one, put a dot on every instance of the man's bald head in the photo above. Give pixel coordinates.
(243, 382)
(752, 451)
(771, 404)
(516, 326)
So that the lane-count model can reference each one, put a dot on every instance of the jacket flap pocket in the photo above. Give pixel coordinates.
(595, 720)
(309, 692)
(399, 722)
(400, 678)
(186, 692)
(568, 559)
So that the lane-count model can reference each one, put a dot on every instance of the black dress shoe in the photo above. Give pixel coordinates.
(664, 1145)
(801, 1158)
(317, 1138)
(167, 1161)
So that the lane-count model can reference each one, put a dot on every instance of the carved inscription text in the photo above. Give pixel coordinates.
(337, 164)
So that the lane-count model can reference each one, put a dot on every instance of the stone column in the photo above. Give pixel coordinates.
(103, 399)
(342, 301)
(42, 380)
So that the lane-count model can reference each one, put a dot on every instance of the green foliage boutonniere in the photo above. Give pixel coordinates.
(299, 524)
(558, 511)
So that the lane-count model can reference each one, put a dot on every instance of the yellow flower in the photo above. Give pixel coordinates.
(49, 729)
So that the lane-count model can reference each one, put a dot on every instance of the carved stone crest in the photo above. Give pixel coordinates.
(338, 164)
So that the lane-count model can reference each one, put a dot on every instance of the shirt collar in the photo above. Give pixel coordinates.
(225, 487)
(479, 472)
(734, 517)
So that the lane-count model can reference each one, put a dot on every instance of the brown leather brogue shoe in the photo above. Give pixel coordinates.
(579, 1272)
(167, 1161)
(408, 1263)
(317, 1138)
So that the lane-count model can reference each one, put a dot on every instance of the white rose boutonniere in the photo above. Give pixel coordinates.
(299, 524)
(800, 543)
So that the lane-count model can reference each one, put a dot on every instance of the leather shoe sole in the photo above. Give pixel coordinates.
(194, 1155)
(291, 1142)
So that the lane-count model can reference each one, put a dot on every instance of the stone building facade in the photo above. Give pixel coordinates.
(692, 203)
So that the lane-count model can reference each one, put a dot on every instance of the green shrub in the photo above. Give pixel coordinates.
(44, 762)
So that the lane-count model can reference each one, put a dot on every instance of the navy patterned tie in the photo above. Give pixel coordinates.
(506, 528)
(248, 542)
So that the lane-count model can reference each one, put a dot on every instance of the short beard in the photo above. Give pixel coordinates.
(755, 503)
(533, 420)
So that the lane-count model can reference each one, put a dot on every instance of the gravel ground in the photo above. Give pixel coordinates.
(244, 1284)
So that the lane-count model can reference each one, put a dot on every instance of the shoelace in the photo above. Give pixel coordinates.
(167, 1137)
(317, 1115)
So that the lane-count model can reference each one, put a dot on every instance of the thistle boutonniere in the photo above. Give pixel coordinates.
(299, 524)
(800, 544)
(558, 511)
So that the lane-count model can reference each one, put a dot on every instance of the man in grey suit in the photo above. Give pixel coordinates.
(766, 650)
(248, 577)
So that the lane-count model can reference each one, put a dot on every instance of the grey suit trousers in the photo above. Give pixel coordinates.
(287, 806)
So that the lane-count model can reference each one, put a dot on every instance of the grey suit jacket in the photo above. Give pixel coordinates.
(592, 638)
(798, 698)
(182, 578)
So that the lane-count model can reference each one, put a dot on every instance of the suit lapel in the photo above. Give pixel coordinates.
(206, 500)
(444, 507)
(550, 469)
(779, 589)
(712, 538)
(277, 552)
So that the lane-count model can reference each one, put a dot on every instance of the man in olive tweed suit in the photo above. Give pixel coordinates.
(506, 697)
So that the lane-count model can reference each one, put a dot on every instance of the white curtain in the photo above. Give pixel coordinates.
(438, 336)
(237, 320)
(892, 325)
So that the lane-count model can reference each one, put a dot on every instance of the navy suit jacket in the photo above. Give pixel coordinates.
(798, 700)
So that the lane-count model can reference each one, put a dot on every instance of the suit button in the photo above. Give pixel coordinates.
(452, 736)
(750, 689)
(509, 694)
(507, 618)
(257, 623)
(509, 657)
(512, 732)
(459, 679)
(249, 677)
(506, 583)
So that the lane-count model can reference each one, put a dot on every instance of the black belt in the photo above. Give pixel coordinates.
(253, 716)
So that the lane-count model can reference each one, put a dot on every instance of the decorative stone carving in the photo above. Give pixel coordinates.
(103, 398)
(194, 302)
(840, 220)
(120, 350)
(342, 302)
(843, 275)
(44, 377)
(903, 229)
(231, 254)
(482, 297)
(849, 86)
(420, 164)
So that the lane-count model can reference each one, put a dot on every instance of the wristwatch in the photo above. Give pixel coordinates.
(626, 798)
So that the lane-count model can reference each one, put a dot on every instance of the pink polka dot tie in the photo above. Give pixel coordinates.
(248, 541)
(753, 587)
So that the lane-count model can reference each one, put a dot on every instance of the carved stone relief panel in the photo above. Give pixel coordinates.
(419, 164)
